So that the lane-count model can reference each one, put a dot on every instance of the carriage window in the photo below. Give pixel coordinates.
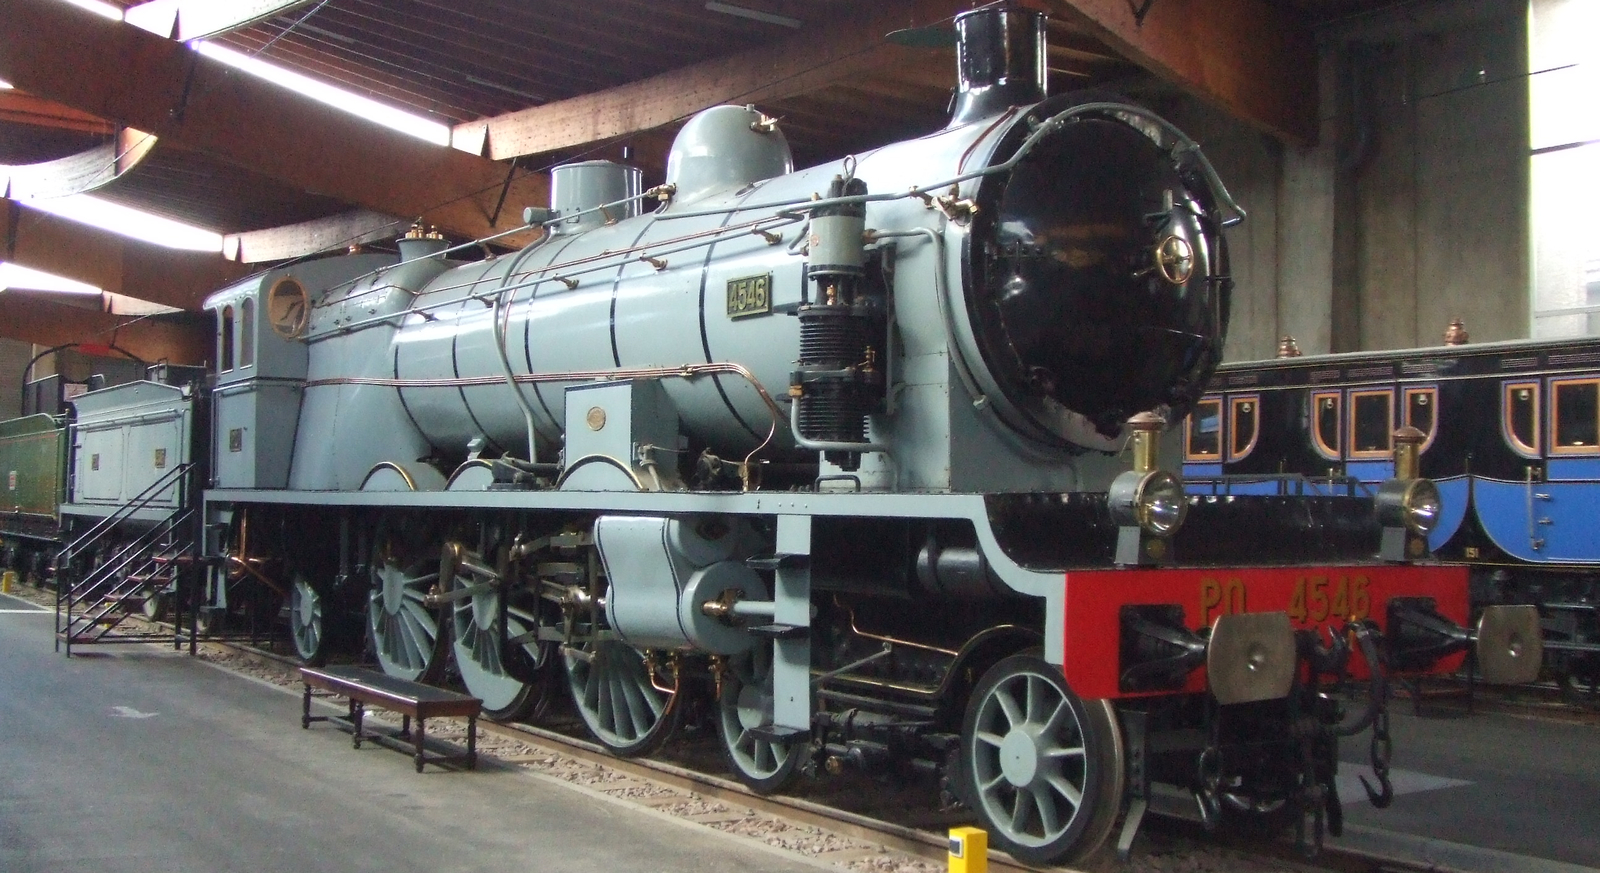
(1244, 426)
(1204, 442)
(247, 333)
(1421, 404)
(225, 341)
(1575, 414)
(1325, 408)
(1519, 417)
(1371, 423)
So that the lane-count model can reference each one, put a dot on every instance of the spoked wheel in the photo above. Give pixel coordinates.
(1042, 768)
(746, 704)
(617, 701)
(210, 619)
(154, 607)
(405, 632)
(513, 679)
(308, 623)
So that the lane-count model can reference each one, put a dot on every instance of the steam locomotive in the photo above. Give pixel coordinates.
(866, 456)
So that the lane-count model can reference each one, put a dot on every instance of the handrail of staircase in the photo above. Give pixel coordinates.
(133, 549)
(140, 501)
(101, 582)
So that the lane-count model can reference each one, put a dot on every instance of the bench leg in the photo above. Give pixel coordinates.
(405, 727)
(472, 742)
(357, 710)
(419, 736)
(305, 711)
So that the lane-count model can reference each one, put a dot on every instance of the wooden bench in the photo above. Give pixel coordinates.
(365, 687)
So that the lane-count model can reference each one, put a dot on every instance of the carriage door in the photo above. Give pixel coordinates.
(1506, 508)
(1564, 507)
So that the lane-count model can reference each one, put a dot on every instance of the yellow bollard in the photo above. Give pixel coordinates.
(8, 581)
(969, 850)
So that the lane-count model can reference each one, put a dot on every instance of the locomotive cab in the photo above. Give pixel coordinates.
(261, 360)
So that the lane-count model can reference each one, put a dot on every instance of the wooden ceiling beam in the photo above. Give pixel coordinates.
(308, 238)
(124, 74)
(80, 173)
(42, 241)
(25, 108)
(29, 318)
(1250, 58)
(849, 48)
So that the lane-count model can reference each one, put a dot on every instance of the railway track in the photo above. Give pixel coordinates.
(838, 820)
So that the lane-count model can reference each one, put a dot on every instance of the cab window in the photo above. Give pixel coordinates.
(1519, 417)
(1371, 423)
(225, 341)
(247, 332)
(1204, 439)
(1575, 416)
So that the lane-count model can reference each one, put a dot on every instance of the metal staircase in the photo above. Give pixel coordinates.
(97, 605)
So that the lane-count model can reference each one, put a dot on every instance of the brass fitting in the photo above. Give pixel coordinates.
(764, 124)
(721, 608)
(1147, 427)
(1288, 347)
(1408, 452)
(1455, 334)
(955, 207)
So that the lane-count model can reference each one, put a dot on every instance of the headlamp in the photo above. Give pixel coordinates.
(1410, 503)
(1154, 501)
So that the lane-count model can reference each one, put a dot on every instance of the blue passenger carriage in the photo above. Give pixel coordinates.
(1511, 437)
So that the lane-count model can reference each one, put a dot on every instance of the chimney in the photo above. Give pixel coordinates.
(999, 61)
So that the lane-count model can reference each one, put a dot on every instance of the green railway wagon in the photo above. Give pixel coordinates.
(33, 462)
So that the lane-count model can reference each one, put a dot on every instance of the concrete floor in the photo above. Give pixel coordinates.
(129, 759)
(1489, 780)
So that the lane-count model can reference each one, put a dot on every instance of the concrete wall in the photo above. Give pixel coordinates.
(1413, 207)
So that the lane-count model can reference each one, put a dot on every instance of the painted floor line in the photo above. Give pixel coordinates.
(1446, 855)
(1348, 782)
(27, 611)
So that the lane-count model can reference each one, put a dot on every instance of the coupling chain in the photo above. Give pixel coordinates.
(1309, 800)
(1208, 796)
(1381, 750)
